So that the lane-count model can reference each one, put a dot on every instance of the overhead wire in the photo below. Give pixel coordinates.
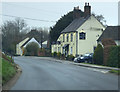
(26, 18)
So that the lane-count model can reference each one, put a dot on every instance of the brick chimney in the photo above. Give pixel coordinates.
(76, 12)
(87, 10)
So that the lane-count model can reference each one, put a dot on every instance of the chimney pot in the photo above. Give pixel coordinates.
(76, 12)
(87, 10)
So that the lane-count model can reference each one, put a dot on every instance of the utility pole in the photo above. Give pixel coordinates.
(41, 38)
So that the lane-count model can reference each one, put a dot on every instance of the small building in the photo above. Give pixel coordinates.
(80, 36)
(44, 44)
(111, 32)
(21, 45)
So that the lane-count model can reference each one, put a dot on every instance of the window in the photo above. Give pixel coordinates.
(71, 37)
(63, 37)
(67, 37)
(71, 51)
(55, 49)
(82, 35)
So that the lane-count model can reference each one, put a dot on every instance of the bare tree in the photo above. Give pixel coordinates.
(100, 18)
(12, 31)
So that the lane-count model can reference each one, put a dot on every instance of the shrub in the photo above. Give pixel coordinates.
(98, 55)
(55, 54)
(32, 49)
(59, 55)
(47, 52)
(113, 57)
(62, 56)
(52, 54)
(24, 51)
(70, 57)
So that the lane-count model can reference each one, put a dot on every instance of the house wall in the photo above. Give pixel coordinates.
(18, 46)
(92, 28)
(59, 48)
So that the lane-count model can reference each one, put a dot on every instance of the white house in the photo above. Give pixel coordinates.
(81, 35)
(44, 44)
(20, 46)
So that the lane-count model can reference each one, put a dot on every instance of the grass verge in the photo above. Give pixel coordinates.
(115, 71)
(8, 71)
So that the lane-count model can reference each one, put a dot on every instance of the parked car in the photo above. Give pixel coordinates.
(79, 59)
(87, 58)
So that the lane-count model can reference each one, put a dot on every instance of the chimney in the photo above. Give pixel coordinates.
(76, 12)
(87, 10)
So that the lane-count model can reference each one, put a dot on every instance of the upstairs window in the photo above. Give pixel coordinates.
(71, 37)
(67, 37)
(82, 35)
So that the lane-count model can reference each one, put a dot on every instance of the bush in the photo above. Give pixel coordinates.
(113, 57)
(98, 55)
(62, 56)
(47, 53)
(32, 49)
(24, 51)
(70, 57)
(59, 55)
(54, 54)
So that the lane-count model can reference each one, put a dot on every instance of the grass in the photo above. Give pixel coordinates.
(8, 71)
(9, 58)
(115, 71)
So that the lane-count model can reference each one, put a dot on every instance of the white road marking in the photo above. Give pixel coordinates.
(98, 70)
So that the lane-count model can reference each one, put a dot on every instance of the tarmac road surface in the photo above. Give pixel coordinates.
(44, 74)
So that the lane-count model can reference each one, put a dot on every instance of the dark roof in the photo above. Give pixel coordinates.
(76, 23)
(28, 41)
(111, 32)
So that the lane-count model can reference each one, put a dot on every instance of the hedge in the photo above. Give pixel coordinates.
(114, 57)
(98, 55)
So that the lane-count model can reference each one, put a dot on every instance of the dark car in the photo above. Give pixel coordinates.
(87, 58)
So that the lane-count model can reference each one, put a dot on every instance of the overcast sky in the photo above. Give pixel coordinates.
(47, 13)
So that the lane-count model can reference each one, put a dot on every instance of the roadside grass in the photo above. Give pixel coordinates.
(8, 71)
(9, 58)
(115, 72)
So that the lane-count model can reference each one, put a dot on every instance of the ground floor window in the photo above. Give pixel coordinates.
(59, 49)
(71, 51)
(55, 49)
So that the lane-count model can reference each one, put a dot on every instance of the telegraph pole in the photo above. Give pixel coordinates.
(41, 39)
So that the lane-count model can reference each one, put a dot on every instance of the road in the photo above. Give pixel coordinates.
(44, 74)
